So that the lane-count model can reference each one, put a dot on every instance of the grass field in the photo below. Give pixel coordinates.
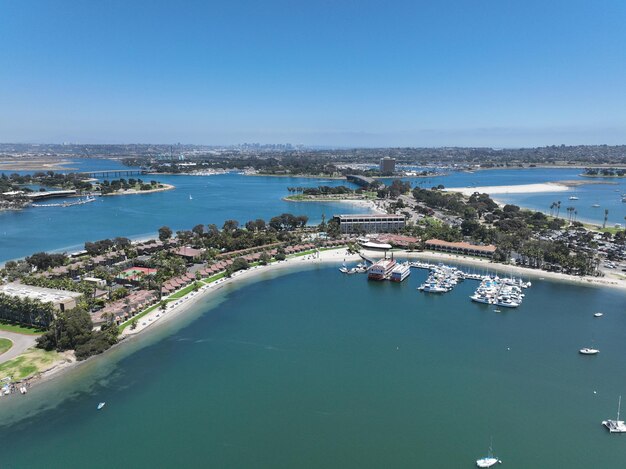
(5, 344)
(184, 291)
(28, 364)
(9, 327)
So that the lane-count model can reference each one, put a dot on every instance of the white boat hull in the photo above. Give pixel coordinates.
(615, 426)
(487, 462)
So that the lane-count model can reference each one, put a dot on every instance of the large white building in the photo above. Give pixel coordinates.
(61, 299)
(370, 223)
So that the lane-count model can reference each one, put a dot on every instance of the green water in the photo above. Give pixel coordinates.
(318, 369)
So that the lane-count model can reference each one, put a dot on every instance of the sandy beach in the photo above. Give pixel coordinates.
(368, 204)
(178, 307)
(337, 256)
(517, 189)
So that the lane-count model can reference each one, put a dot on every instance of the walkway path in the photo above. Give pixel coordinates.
(21, 342)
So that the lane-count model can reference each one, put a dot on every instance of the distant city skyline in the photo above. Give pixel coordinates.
(332, 74)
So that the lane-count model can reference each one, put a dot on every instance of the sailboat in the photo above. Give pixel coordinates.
(490, 460)
(190, 198)
(616, 426)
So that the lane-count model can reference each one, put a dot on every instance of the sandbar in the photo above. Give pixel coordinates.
(515, 189)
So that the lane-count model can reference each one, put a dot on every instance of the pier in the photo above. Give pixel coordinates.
(49, 194)
(68, 204)
(362, 181)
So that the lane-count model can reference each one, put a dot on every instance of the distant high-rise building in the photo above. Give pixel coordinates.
(387, 165)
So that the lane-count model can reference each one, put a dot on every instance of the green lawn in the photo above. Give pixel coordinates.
(9, 327)
(5, 344)
(214, 278)
(125, 324)
(27, 364)
(184, 291)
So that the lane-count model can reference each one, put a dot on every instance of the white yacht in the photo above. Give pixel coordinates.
(616, 426)
(507, 302)
(400, 272)
(588, 351)
(432, 288)
(488, 461)
(480, 298)
(101, 405)
(598, 315)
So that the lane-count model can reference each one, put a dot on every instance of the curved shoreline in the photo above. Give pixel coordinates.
(158, 318)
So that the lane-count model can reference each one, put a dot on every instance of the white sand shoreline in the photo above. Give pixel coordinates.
(178, 307)
(512, 189)
(369, 204)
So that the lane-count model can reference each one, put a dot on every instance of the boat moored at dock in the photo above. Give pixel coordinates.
(400, 272)
(381, 270)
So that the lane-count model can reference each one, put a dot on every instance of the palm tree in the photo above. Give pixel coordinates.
(606, 217)
(558, 208)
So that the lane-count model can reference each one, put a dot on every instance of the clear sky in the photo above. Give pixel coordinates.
(347, 73)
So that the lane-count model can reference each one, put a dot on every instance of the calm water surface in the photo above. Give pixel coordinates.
(277, 374)
(215, 199)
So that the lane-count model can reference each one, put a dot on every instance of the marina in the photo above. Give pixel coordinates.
(389, 330)
(492, 290)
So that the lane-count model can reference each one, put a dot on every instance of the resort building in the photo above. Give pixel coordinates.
(399, 241)
(97, 282)
(187, 253)
(62, 300)
(387, 165)
(370, 223)
(460, 248)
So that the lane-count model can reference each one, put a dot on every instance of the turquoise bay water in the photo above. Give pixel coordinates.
(214, 199)
(317, 369)
(217, 198)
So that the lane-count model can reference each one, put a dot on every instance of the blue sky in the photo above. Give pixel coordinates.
(345, 73)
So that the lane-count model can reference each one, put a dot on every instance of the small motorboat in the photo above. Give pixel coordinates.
(573, 197)
(596, 205)
(588, 351)
(598, 315)
(101, 405)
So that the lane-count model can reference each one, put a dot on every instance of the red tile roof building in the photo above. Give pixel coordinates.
(460, 248)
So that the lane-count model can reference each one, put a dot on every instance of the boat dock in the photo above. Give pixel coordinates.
(493, 290)
(67, 204)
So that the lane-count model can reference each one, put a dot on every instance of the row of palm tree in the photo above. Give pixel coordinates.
(555, 209)
(26, 311)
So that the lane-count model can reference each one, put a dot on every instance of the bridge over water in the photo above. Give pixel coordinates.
(114, 173)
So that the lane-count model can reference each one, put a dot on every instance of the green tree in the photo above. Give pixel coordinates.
(165, 233)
